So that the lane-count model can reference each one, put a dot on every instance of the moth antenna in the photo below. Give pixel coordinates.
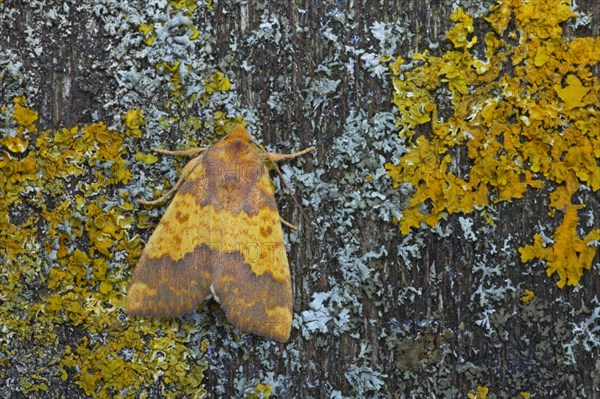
(184, 175)
(274, 157)
(189, 151)
(288, 224)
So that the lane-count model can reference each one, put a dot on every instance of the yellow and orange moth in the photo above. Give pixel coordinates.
(220, 237)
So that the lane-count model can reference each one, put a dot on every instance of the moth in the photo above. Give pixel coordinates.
(221, 238)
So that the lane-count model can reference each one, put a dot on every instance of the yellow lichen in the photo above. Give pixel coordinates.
(148, 159)
(24, 118)
(482, 393)
(65, 227)
(262, 391)
(183, 101)
(216, 83)
(223, 123)
(189, 6)
(529, 295)
(458, 35)
(172, 69)
(519, 125)
(569, 255)
(148, 31)
(134, 120)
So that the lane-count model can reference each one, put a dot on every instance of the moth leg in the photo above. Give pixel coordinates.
(275, 157)
(184, 175)
(288, 224)
(189, 151)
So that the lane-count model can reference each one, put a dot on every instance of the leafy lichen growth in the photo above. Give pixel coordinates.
(529, 295)
(482, 393)
(526, 116)
(262, 391)
(63, 231)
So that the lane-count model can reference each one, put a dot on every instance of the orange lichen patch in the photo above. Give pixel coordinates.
(541, 18)
(148, 159)
(569, 255)
(105, 228)
(518, 129)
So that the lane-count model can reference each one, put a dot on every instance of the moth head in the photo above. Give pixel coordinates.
(239, 133)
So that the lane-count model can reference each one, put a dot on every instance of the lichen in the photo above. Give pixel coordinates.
(262, 391)
(528, 296)
(482, 393)
(525, 115)
(76, 249)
